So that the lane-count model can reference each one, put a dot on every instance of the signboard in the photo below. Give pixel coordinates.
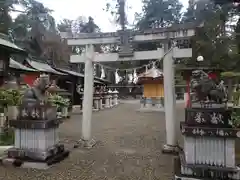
(125, 43)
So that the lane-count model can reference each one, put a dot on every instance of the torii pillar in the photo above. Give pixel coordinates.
(86, 139)
(171, 146)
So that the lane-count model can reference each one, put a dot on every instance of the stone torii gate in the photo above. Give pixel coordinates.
(125, 40)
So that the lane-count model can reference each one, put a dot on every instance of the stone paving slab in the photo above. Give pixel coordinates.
(128, 148)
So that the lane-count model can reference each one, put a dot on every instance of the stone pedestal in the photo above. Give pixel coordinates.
(101, 103)
(41, 140)
(107, 101)
(103, 99)
(12, 112)
(148, 103)
(115, 99)
(158, 102)
(96, 103)
(111, 101)
(209, 145)
(36, 136)
(142, 103)
(151, 104)
(65, 112)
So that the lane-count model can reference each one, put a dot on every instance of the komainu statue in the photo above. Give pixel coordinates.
(36, 94)
(207, 89)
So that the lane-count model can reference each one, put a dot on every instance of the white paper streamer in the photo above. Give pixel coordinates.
(130, 78)
(135, 77)
(102, 73)
(154, 71)
(94, 69)
(130, 90)
(117, 77)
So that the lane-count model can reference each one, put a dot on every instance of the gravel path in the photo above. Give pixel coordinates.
(129, 148)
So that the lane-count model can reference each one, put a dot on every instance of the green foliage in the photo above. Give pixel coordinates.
(5, 18)
(213, 41)
(10, 97)
(65, 25)
(79, 25)
(159, 13)
(3, 99)
(237, 33)
(230, 74)
(236, 98)
(14, 97)
(59, 101)
(7, 137)
(35, 20)
(236, 119)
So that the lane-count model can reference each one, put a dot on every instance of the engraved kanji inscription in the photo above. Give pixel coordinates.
(199, 118)
(216, 118)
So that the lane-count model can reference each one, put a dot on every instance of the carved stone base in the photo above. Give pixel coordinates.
(106, 106)
(184, 171)
(85, 144)
(29, 163)
(148, 106)
(207, 105)
(168, 149)
(185, 178)
(150, 109)
(35, 155)
(151, 105)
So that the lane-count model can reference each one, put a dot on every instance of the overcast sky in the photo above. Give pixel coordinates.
(71, 9)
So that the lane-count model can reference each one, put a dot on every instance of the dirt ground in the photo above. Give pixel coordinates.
(129, 148)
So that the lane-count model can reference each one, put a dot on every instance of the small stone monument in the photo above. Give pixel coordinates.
(115, 97)
(209, 135)
(96, 99)
(110, 98)
(107, 100)
(36, 130)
